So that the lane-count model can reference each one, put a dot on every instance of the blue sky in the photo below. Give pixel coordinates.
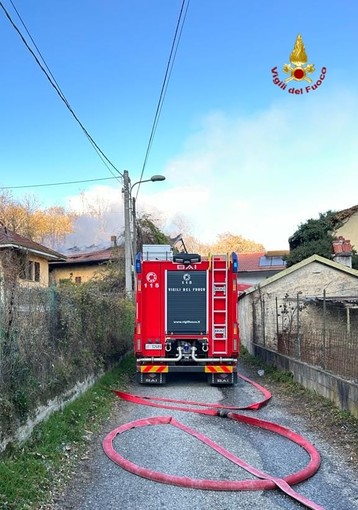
(239, 154)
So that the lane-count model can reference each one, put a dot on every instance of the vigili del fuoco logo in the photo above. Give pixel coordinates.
(299, 71)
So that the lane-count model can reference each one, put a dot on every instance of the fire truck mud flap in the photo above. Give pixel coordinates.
(220, 379)
(151, 378)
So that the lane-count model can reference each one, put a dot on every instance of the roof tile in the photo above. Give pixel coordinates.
(251, 262)
(10, 238)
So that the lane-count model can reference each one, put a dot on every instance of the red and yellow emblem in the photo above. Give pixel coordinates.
(299, 68)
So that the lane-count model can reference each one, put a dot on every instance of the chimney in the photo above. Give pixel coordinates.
(114, 241)
(342, 251)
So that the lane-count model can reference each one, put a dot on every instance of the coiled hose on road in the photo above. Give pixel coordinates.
(265, 481)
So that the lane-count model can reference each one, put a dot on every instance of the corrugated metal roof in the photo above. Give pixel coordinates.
(95, 256)
(92, 257)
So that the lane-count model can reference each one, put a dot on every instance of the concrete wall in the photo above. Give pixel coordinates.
(69, 272)
(310, 280)
(344, 394)
(44, 271)
(254, 277)
(246, 322)
(43, 412)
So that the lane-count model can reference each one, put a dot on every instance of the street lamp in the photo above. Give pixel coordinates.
(127, 191)
(154, 178)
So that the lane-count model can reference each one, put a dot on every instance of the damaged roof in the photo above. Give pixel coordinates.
(93, 257)
(346, 213)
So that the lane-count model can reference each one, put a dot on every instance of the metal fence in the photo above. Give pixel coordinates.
(52, 338)
(320, 330)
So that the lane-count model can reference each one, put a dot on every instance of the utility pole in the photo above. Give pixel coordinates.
(134, 219)
(130, 244)
(127, 234)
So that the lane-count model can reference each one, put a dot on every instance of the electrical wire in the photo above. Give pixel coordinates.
(45, 69)
(169, 68)
(57, 183)
(38, 50)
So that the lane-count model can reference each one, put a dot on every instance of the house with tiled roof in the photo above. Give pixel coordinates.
(305, 320)
(255, 267)
(82, 266)
(25, 260)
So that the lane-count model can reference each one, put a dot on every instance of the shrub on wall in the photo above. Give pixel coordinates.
(52, 338)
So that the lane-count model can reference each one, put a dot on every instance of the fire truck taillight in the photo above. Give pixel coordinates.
(138, 328)
(235, 332)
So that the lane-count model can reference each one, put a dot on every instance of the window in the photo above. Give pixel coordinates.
(37, 271)
(22, 263)
(29, 270)
(266, 261)
(25, 268)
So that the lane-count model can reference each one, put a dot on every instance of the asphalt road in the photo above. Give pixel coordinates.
(99, 484)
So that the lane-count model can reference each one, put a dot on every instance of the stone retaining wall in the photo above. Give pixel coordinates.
(344, 394)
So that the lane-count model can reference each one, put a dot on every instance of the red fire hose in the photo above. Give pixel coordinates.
(265, 481)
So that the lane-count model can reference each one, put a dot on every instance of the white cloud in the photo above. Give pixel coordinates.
(259, 175)
(95, 200)
(263, 175)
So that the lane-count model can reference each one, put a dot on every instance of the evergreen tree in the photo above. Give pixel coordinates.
(313, 237)
(149, 233)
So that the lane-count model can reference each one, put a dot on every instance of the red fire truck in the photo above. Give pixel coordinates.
(186, 315)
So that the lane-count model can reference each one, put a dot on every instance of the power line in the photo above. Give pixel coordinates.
(37, 49)
(45, 69)
(57, 183)
(169, 68)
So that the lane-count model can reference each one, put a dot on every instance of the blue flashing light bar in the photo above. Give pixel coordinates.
(235, 262)
(138, 263)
